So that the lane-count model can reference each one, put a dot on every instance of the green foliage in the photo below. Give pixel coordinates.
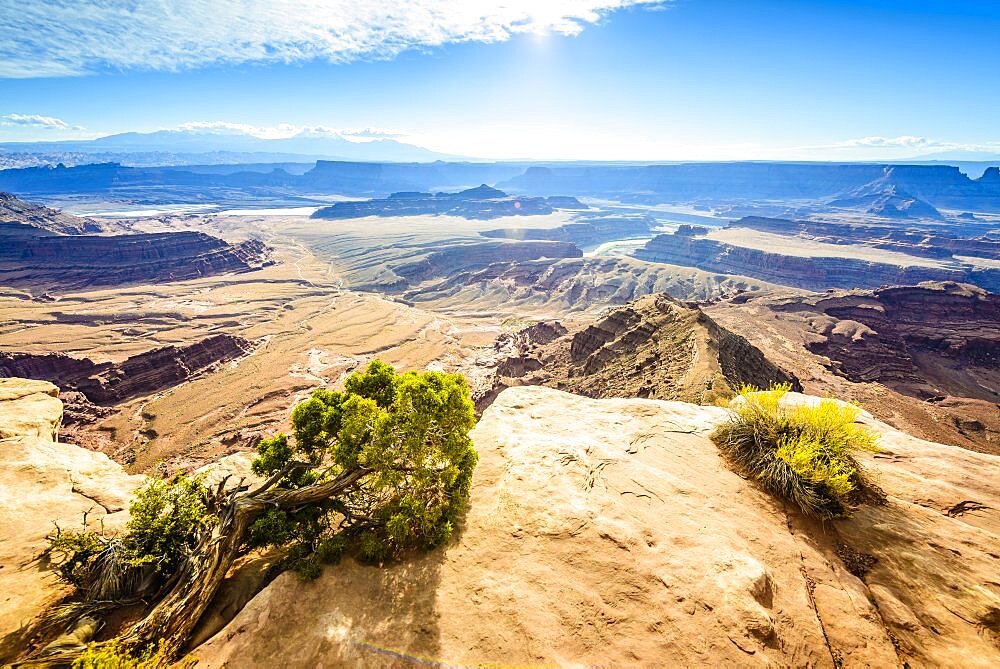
(802, 454)
(164, 518)
(409, 434)
(114, 656)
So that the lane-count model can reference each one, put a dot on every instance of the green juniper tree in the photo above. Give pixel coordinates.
(383, 467)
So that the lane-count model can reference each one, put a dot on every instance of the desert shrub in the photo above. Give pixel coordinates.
(114, 656)
(802, 454)
(164, 517)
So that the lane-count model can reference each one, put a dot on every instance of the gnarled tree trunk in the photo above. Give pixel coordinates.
(175, 616)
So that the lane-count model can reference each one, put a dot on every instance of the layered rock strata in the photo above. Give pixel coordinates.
(142, 374)
(685, 247)
(653, 347)
(481, 202)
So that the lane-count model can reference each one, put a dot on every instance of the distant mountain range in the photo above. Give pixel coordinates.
(193, 146)
(762, 188)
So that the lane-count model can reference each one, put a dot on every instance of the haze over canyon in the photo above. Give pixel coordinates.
(510, 334)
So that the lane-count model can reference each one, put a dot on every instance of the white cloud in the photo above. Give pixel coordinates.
(903, 145)
(280, 131)
(286, 130)
(904, 140)
(34, 121)
(74, 37)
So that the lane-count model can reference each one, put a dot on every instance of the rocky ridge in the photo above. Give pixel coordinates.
(16, 212)
(654, 347)
(482, 202)
(36, 253)
(925, 358)
(688, 247)
(611, 532)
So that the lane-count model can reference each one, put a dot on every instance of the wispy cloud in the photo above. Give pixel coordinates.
(908, 141)
(34, 121)
(74, 37)
(875, 143)
(286, 130)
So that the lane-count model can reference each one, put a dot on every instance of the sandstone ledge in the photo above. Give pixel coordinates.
(43, 482)
(610, 532)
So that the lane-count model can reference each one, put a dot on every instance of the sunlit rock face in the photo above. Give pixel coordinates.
(482, 202)
(44, 483)
(612, 532)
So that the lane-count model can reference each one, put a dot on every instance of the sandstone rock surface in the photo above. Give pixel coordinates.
(610, 532)
(43, 481)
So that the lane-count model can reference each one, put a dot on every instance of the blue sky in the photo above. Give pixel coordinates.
(599, 79)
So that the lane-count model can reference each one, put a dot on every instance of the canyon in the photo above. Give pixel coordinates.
(654, 347)
(925, 358)
(894, 191)
(166, 373)
(818, 265)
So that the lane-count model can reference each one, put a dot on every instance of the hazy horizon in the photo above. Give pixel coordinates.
(603, 80)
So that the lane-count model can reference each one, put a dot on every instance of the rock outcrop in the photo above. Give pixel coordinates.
(886, 199)
(929, 243)
(15, 212)
(939, 186)
(584, 232)
(611, 532)
(687, 247)
(654, 347)
(926, 340)
(141, 374)
(44, 483)
(40, 250)
(482, 202)
(456, 262)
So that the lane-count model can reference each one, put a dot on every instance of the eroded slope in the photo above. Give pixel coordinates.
(925, 358)
(653, 347)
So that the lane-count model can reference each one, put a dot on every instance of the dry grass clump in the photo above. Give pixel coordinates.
(802, 454)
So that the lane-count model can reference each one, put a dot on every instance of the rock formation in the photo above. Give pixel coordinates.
(937, 186)
(42, 482)
(926, 340)
(15, 212)
(925, 357)
(588, 232)
(687, 246)
(36, 255)
(610, 532)
(884, 198)
(482, 202)
(930, 242)
(493, 256)
(141, 374)
(654, 347)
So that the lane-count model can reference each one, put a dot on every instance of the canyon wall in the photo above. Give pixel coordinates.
(809, 272)
(142, 374)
